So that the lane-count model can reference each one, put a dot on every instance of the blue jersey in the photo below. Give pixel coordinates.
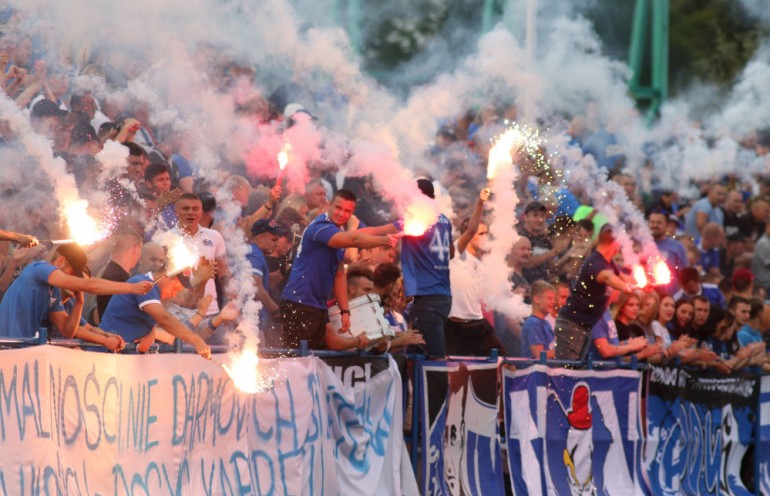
(536, 331)
(425, 260)
(604, 328)
(259, 268)
(28, 301)
(315, 266)
(747, 335)
(124, 314)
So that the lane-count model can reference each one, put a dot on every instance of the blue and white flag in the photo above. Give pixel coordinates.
(461, 447)
(572, 432)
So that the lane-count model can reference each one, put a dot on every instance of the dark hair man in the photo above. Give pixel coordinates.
(588, 300)
(317, 272)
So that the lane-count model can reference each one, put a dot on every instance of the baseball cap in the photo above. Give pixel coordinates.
(76, 257)
(535, 206)
(426, 187)
(743, 274)
(265, 225)
(47, 108)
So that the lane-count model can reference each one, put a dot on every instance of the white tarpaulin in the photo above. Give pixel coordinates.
(76, 422)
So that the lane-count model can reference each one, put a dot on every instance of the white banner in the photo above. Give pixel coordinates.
(75, 422)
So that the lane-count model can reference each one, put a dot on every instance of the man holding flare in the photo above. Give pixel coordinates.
(588, 299)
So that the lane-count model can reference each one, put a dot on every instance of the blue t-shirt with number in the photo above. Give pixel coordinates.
(425, 260)
(124, 314)
(28, 301)
(312, 273)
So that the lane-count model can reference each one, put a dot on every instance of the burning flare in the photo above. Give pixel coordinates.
(516, 138)
(181, 257)
(244, 372)
(283, 159)
(419, 216)
(283, 156)
(661, 274)
(640, 276)
(83, 228)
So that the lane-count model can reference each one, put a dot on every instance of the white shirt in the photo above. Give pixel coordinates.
(206, 243)
(464, 275)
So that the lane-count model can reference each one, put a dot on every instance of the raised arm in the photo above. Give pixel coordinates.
(359, 239)
(97, 286)
(473, 225)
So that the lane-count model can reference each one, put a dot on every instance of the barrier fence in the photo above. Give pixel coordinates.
(333, 423)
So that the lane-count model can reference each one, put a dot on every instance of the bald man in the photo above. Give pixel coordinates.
(152, 259)
(126, 251)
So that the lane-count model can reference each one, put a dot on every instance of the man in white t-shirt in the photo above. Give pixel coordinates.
(206, 243)
(467, 332)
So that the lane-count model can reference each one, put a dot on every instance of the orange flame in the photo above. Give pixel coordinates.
(181, 257)
(419, 216)
(516, 137)
(83, 228)
(283, 155)
(640, 277)
(661, 273)
(243, 370)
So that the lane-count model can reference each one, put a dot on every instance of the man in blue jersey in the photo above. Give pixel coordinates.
(265, 235)
(588, 300)
(135, 316)
(36, 294)
(317, 272)
(536, 333)
(425, 263)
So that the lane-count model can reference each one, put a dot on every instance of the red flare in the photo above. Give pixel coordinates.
(640, 277)
(661, 273)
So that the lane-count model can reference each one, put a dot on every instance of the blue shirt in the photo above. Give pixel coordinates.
(715, 214)
(604, 328)
(183, 166)
(425, 260)
(28, 301)
(710, 291)
(747, 335)
(124, 314)
(259, 268)
(605, 148)
(709, 259)
(536, 331)
(315, 266)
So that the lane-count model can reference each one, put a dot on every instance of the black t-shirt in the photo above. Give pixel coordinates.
(629, 331)
(588, 298)
(750, 228)
(113, 272)
(734, 224)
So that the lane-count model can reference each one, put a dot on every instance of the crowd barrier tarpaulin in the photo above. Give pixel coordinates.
(459, 422)
(572, 431)
(699, 429)
(75, 422)
(366, 393)
(763, 437)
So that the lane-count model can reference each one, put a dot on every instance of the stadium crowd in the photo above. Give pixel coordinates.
(339, 239)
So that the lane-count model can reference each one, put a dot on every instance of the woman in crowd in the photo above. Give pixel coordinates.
(624, 313)
(681, 324)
